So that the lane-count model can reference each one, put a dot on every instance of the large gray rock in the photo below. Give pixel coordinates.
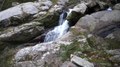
(22, 33)
(108, 23)
(87, 22)
(104, 24)
(100, 21)
(43, 54)
(85, 7)
(20, 13)
(38, 49)
(117, 6)
(77, 12)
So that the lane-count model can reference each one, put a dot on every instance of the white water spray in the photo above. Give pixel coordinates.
(59, 30)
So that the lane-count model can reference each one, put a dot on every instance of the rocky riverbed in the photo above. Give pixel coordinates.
(92, 40)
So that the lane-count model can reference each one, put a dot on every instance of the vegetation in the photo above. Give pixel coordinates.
(113, 43)
(47, 20)
(67, 50)
(54, 1)
(72, 3)
(92, 50)
(6, 57)
(8, 3)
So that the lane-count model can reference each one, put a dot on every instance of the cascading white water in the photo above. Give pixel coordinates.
(59, 30)
(62, 19)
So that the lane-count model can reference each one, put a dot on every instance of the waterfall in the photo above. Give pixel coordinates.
(59, 30)
(62, 18)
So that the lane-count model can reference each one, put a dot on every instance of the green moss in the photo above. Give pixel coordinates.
(68, 50)
(74, 17)
(74, 47)
(76, 32)
(89, 50)
(54, 1)
(113, 43)
(91, 41)
(72, 3)
(49, 20)
(99, 57)
(6, 58)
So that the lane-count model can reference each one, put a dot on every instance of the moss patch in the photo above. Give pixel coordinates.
(54, 1)
(74, 47)
(6, 58)
(49, 20)
(66, 51)
(72, 3)
(113, 43)
(74, 17)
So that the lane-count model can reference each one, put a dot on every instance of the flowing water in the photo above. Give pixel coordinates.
(59, 30)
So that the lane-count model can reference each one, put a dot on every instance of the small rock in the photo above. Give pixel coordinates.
(80, 8)
(114, 52)
(25, 64)
(115, 58)
(81, 62)
(68, 64)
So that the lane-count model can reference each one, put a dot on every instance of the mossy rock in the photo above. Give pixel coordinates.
(98, 42)
(75, 46)
(6, 58)
(49, 20)
(72, 3)
(14, 21)
(66, 51)
(74, 17)
(113, 43)
(54, 1)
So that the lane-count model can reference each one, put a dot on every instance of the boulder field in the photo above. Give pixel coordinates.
(93, 38)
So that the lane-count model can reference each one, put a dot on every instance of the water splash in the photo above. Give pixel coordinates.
(59, 30)
(109, 9)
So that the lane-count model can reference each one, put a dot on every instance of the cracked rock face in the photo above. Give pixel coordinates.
(21, 33)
